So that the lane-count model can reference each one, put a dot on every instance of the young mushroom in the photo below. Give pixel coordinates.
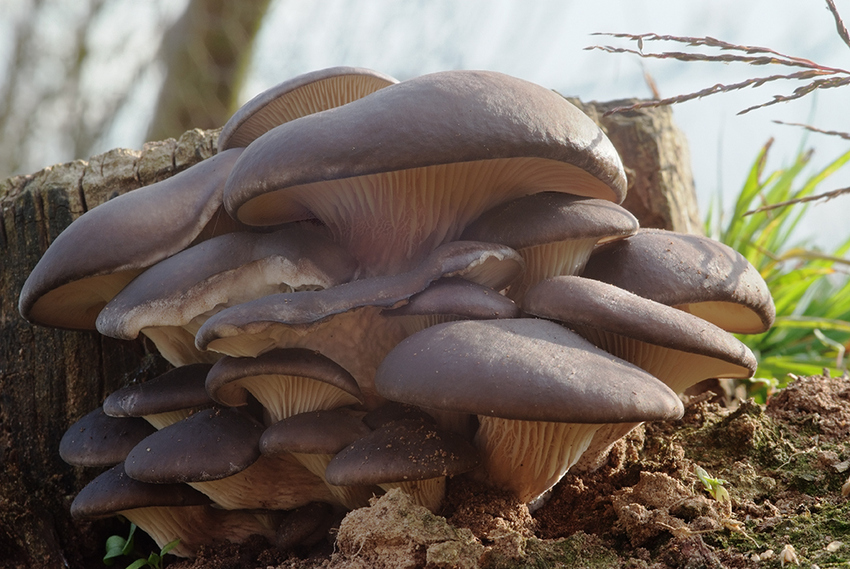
(539, 390)
(690, 272)
(166, 512)
(555, 233)
(100, 440)
(297, 97)
(217, 452)
(412, 164)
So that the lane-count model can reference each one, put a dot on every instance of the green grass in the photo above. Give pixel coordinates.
(810, 288)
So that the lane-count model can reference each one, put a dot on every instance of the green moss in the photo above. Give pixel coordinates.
(579, 551)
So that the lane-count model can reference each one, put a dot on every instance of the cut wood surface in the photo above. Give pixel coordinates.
(50, 378)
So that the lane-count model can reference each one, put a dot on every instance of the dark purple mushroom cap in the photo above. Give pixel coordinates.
(217, 273)
(693, 273)
(549, 217)
(586, 304)
(209, 445)
(297, 97)
(113, 492)
(460, 298)
(223, 379)
(469, 140)
(100, 440)
(182, 388)
(402, 451)
(316, 432)
(523, 369)
(78, 274)
(393, 411)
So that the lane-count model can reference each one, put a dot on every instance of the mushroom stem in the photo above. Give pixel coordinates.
(529, 457)
(550, 260)
(428, 493)
(352, 497)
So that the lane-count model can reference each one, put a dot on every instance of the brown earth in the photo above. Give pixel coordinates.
(783, 465)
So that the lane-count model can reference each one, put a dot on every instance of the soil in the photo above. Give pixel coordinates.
(783, 464)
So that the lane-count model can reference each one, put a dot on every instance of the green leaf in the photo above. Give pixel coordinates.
(138, 564)
(169, 546)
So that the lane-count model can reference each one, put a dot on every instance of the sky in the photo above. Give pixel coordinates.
(542, 41)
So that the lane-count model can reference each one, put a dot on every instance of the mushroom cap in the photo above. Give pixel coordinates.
(393, 411)
(548, 217)
(402, 451)
(297, 97)
(100, 440)
(114, 491)
(78, 275)
(387, 167)
(693, 273)
(523, 369)
(223, 379)
(460, 298)
(577, 301)
(209, 445)
(226, 270)
(316, 432)
(488, 264)
(175, 390)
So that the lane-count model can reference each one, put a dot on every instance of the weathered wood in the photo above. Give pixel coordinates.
(50, 378)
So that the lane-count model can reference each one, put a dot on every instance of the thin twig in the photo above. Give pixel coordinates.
(839, 23)
(844, 135)
(825, 196)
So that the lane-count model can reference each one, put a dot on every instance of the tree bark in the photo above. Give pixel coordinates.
(50, 378)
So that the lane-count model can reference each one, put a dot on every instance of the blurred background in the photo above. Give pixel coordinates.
(78, 77)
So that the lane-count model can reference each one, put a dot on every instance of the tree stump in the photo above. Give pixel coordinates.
(50, 378)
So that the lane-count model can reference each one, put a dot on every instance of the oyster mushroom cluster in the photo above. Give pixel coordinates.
(380, 284)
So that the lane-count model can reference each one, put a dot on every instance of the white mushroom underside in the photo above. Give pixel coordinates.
(550, 260)
(677, 369)
(283, 396)
(597, 452)
(311, 98)
(162, 420)
(271, 483)
(80, 301)
(177, 346)
(195, 526)
(428, 493)
(730, 316)
(529, 457)
(417, 209)
(357, 340)
(352, 497)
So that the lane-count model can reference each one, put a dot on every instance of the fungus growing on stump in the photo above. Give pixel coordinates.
(533, 384)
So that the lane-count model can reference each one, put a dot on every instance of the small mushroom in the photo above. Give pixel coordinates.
(100, 440)
(164, 400)
(216, 451)
(313, 439)
(555, 233)
(165, 512)
(410, 455)
(78, 275)
(286, 382)
(693, 273)
(297, 97)
(539, 390)
(412, 164)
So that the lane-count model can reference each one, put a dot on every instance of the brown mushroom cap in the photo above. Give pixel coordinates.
(297, 97)
(100, 440)
(165, 512)
(677, 347)
(285, 381)
(171, 300)
(693, 273)
(523, 369)
(163, 400)
(555, 233)
(217, 452)
(540, 392)
(412, 455)
(387, 168)
(78, 275)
